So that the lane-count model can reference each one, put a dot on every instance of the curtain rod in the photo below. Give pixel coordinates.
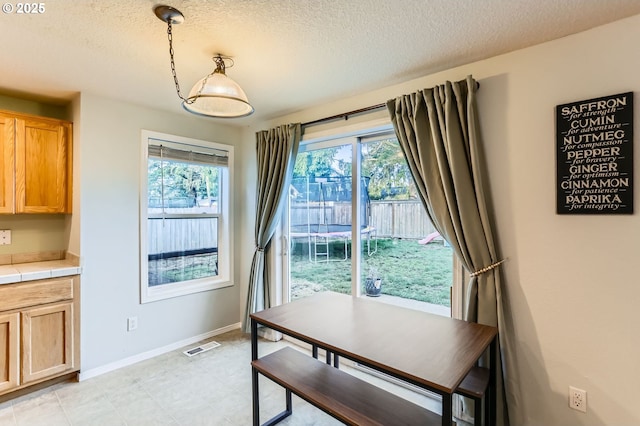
(346, 115)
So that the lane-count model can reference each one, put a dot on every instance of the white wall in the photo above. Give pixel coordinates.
(107, 137)
(571, 282)
(43, 109)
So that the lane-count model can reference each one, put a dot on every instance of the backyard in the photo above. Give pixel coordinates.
(408, 269)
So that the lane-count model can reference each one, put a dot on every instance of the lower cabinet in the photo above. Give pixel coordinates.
(38, 342)
(46, 341)
(9, 351)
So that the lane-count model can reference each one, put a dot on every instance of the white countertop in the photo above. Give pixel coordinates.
(19, 272)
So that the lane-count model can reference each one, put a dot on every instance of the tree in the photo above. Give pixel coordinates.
(172, 180)
(385, 165)
(316, 163)
(382, 163)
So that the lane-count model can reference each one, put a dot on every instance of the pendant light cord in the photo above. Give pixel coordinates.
(189, 100)
(173, 64)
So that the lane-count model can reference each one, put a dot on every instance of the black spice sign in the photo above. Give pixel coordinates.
(595, 156)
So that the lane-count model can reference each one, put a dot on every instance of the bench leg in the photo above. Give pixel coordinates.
(255, 398)
(286, 413)
(255, 393)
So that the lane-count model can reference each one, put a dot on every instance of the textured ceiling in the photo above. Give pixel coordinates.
(289, 54)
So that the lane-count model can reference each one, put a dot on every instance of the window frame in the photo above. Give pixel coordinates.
(224, 278)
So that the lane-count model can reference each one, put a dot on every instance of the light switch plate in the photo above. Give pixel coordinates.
(5, 237)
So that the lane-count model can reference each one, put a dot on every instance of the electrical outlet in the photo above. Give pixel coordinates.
(578, 399)
(5, 237)
(132, 323)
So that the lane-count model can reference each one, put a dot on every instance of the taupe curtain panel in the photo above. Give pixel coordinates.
(438, 131)
(276, 153)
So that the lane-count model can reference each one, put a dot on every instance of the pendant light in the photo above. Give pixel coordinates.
(215, 95)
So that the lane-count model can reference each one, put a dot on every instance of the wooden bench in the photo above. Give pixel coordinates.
(339, 394)
(474, 386)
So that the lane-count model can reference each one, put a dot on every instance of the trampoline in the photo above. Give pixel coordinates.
(321, 214)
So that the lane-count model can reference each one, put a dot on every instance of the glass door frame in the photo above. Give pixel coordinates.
(282, 276)
(356, 244)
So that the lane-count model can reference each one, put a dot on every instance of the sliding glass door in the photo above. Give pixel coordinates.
(320, 223)
(355, 225)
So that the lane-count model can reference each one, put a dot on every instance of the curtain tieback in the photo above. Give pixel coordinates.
(261, 249)
(486, 268)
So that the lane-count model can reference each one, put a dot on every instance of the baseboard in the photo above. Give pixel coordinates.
(87, 374)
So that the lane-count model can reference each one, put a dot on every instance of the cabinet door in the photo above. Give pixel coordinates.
(7, 159)
(47, 341)
(9, 350)
(43, 153)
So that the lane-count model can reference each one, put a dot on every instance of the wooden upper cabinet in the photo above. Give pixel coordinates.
(38, 151)
(7, 162)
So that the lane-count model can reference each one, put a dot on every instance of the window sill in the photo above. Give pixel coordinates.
(168, 291)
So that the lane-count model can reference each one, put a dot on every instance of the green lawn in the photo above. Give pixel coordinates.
(408, 269)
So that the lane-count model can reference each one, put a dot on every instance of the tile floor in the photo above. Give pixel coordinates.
(209, 389)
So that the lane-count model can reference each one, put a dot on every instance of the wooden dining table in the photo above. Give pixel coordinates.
(430, 351)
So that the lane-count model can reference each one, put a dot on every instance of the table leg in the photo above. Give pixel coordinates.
(254, 374)
(288, 402)
(493, 365)
(446, 409)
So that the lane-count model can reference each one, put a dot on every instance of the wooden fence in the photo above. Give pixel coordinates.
(175, 235)
(392, 219)
(400, 219)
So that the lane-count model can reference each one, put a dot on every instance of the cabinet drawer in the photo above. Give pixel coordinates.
(22, 295)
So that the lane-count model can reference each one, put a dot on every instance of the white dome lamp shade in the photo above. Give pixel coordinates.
(216, 95)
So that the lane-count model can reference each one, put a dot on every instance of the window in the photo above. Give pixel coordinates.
(185, 216)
